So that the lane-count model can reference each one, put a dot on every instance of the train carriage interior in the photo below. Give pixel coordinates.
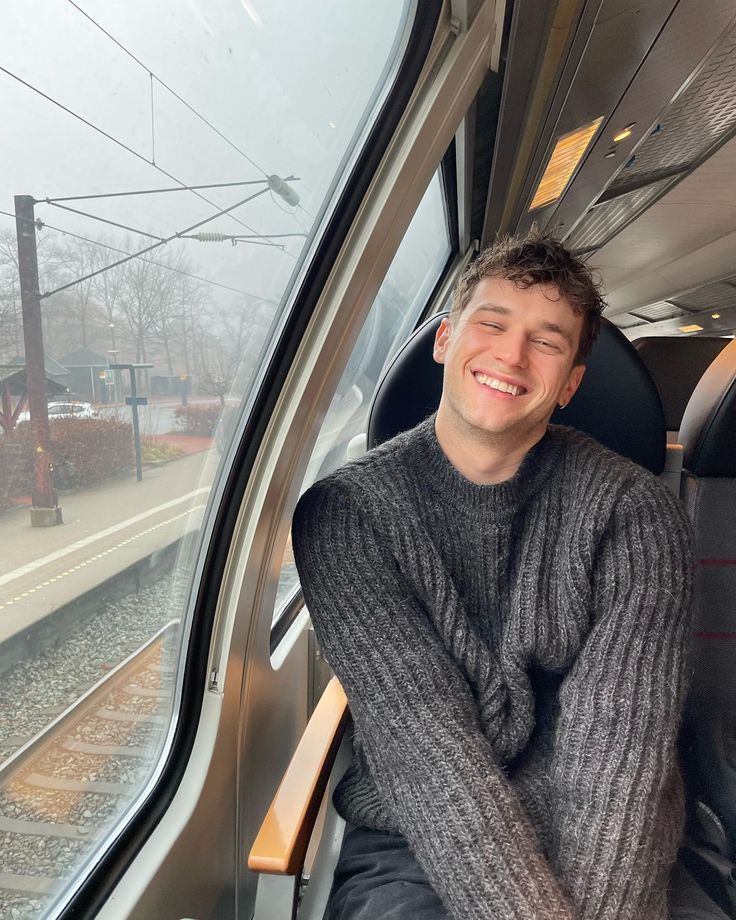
(340, 164)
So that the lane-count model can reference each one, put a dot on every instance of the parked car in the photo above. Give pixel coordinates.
(63, 410)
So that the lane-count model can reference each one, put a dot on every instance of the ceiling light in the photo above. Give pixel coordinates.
(693, 328)
(566, 156)
(715, 316)
(626, 132)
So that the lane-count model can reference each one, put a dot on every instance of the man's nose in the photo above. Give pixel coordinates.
(512, 350)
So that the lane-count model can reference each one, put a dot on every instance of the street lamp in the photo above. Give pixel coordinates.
(113, 353)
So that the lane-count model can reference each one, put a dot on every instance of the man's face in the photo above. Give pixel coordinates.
(509, 358)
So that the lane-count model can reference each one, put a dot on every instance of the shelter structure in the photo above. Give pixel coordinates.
(14, 393)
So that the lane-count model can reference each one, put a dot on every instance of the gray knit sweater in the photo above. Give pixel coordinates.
(514, 660)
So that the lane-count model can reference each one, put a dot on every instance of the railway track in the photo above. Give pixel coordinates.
(66, 786)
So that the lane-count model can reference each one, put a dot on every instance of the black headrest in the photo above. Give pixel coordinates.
(676, 364)
(617, 402)
(708, 429)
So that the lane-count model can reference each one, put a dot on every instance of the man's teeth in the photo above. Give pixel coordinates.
(500, 385)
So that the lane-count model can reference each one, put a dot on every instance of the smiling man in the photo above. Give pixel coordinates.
(506, 604)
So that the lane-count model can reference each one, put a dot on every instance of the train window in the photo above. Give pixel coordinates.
(169, 172)
(402, 298)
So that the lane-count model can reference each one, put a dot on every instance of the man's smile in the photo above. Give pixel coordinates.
(495, 383)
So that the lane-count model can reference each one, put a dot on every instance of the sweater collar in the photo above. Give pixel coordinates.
(501, 500)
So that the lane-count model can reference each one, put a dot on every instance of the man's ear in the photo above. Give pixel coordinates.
(573, 382)
(441, 341)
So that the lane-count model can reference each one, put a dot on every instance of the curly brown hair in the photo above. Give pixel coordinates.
(537, 259)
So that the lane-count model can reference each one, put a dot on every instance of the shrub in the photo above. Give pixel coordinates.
(197, 419)
(83, 451)
(88, 450)
(16, 466)
(155, 451)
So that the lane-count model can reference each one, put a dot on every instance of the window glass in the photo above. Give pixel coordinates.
(415, 270)
(169, 169)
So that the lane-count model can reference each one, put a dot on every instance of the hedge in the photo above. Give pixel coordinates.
(198, 419)
(83, 451)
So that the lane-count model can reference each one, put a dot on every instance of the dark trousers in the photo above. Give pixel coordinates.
(378, 878)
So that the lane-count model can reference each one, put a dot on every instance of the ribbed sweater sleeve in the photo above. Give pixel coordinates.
(615, 789)
(417, 719)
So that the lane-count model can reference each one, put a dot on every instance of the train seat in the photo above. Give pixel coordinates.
(708, 436)
(676, 365)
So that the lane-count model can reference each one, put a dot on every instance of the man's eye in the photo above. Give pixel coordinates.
(491, 325)
(546, 345)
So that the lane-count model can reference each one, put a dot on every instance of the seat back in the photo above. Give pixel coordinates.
(676, 364)
(708, 436)
(617, 402)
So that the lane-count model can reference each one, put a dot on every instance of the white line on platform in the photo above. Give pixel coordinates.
(93, 538)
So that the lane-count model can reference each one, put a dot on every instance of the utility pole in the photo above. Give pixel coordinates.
(45, 510)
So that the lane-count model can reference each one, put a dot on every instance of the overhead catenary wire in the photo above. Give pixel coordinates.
(149, 191)
(174, 93)
(238, 237)
(115, 140)
(281, 208)
(171, 268)
(104, 220)
(153, 246)
(254, 239)
(166, 86)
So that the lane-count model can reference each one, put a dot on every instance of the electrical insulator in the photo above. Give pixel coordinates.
(210, 237)
(283, 190)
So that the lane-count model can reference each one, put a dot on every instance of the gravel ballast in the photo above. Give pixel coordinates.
(36, 690)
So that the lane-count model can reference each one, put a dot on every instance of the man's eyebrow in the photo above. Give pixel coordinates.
(494, 308)
(553, 327)
(545, 326)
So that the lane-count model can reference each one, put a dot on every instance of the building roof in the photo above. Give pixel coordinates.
(52, 366)
(15, 377)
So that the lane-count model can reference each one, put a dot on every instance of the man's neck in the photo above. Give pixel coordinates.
(480, 456)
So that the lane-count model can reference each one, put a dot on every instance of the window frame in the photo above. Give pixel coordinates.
(293, 603)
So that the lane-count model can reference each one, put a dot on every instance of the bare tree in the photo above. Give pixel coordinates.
(11, 329)
(81, 258)
(184, 298)
(229, 346)
(109, 287)
(51, 267)
(219, 346)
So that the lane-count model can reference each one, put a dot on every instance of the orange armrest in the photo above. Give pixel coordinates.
(281, 845)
